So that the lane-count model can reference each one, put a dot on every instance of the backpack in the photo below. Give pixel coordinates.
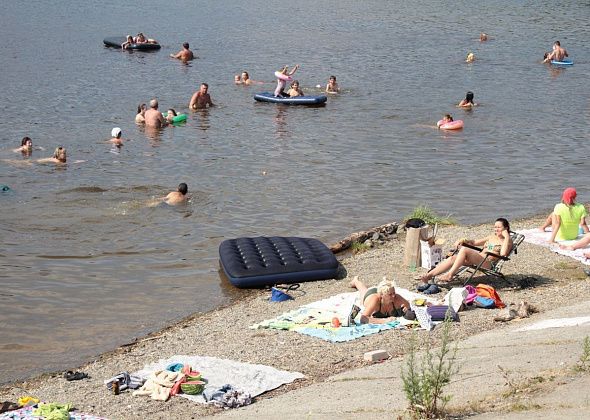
(484, 302)
(486, 291)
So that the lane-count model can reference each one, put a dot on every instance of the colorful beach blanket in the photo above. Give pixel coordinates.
(250, 378)
(315, 319)
(26, 413)
(534, 236)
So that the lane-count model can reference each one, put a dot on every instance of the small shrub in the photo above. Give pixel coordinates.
(584, 362)
(358, 247)
(424, 381)
(429, 216)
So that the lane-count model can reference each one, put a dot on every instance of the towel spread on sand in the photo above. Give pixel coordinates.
(250, 378)
(315, 319)
(556, 323)
(534, 236)
(26, 413)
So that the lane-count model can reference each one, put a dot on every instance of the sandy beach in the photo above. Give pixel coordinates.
(224, 333)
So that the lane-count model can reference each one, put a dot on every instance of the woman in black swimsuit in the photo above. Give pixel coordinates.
(382, 304)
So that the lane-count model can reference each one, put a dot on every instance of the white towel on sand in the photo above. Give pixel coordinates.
(534, 236)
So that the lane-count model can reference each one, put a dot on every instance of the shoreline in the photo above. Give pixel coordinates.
(212, 333)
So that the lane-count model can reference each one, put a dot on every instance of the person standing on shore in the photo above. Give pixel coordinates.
(185, 54)
(567, 218)
(201, 98)
(153, 117)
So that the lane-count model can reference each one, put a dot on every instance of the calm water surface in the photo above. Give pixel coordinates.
(87, 265)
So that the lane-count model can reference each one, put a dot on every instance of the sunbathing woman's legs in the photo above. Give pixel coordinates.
(358, 285)
(450, 266)
(579, 244)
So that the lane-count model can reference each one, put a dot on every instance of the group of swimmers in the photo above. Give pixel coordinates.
(138, 39)
(26, 148)
(557, 54)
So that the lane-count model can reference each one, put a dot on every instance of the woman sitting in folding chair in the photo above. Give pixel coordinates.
(499, 243)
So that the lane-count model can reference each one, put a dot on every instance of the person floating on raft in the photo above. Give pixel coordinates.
(284, 76)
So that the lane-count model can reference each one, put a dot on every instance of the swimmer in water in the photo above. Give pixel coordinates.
(153, 117)
(332, 86)
(483, 37)
(238, 80)
(129, 41)
(26, 146)
(295, 89)
(177, 197)
(185, 54)
(170, 115)
(446, 119)
(201, 98)
(470, 58)
(280, 90)
(468, 101)
(59, 156)
(116, 137)
(558, 54)
(140, 117)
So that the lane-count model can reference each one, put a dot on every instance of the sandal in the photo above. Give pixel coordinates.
(8, 406)
(75, 376)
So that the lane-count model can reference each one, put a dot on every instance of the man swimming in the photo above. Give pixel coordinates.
(116, 137)
(153, 117)
(178, 196)
(201, 98)
(185, 54)
(558, 53)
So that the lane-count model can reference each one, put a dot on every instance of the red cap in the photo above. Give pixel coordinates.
(569, 195)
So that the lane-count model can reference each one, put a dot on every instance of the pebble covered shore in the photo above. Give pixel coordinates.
(224, 333)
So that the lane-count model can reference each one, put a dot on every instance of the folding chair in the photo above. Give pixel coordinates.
(496, 270)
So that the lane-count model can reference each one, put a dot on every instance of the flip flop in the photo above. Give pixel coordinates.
(8, 406)
(433, 289)
(75, 376)
(422, 287)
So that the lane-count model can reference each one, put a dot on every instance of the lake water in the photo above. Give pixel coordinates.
(86, 265)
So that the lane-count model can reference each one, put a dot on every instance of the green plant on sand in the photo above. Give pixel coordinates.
(358, 247)
(584, 362)
(424, 380)
(429, 216)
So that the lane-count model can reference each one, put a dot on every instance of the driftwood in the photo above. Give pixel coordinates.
(378, 232)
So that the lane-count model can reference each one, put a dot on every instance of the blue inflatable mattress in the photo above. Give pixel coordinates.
(297, 100)
(117, 41)
(266, 261)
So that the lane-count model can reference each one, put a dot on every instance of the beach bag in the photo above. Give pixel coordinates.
(486, 291)
(277, 295)
(484, 302)
(471, 294)
(439, 313)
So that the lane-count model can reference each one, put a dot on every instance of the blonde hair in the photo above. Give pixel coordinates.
(386, 287)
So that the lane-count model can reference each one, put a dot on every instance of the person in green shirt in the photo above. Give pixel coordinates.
(566, 219)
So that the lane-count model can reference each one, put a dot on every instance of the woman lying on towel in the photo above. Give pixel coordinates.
(499, 243)
(382, 304)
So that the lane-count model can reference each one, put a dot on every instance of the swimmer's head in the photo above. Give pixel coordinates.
(172, 112)
(141, 108)
(469, 96)
(448, 117)
(129, 38)
(557, 44)
(204, 87)
(182, 188)
(237, 78)
(483, 37)
(26, 141)
(116, 132)
(332, 79)
(295, 83)
(185, 45)
(60, 154)
(245, 75)
(545, 56)
(154, 104)
(470, 57)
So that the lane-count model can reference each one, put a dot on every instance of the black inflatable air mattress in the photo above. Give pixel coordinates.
(117, 41)
(265, 261)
